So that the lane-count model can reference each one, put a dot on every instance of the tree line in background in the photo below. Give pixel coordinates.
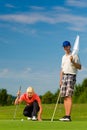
(80, 95)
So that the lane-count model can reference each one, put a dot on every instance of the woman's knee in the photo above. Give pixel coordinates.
(25, 113)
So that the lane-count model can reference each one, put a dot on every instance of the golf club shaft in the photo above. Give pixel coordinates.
(55, 107)
(16, 106)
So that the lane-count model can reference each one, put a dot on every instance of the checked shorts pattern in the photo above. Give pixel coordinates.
(68, 82)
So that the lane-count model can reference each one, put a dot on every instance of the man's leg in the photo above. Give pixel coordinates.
(68, 105)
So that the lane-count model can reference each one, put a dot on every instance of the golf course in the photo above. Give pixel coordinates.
(10, 122)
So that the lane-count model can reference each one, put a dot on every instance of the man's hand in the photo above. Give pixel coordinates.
(60, 83)
(71, 59)
(77, 65)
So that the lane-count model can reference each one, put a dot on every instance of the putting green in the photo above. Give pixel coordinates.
(47, 125)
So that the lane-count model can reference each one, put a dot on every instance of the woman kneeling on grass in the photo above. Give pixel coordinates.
(33, 104)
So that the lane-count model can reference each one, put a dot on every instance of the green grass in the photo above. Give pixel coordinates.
(79, 118)
(45, 125)
(79, 112)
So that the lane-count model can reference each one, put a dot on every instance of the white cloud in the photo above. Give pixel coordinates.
(60, 9)
(28, 19)
(77, 3)
(27, 70)
(23, 30)
(4, 73)
(36, 8)
(9, 5)
(74, 22)
(12, 74)
(26, 74)
(41, 81)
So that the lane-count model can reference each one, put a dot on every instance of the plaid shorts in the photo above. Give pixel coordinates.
(68, 82)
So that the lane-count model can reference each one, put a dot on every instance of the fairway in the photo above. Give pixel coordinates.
(44, 125)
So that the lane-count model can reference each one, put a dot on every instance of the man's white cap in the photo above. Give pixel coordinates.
(30, 89)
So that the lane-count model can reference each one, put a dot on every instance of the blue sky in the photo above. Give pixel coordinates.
(31, 37)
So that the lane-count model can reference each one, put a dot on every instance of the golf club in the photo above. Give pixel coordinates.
(55, 107)
(16, 106)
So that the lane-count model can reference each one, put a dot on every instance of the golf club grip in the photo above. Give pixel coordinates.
(20, 88)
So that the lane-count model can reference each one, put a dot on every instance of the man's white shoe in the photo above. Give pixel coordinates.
(65, 118)
(34, 118)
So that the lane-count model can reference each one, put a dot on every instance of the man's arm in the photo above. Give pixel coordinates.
(61, 75)
(77, 65)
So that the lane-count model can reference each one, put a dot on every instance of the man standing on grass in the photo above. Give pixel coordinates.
(70, 65)
(33, 104)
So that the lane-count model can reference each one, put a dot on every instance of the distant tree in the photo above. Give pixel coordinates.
(77, 93)
(84, 84)
(9, 100)
(3, 97)
(80, 93)
(83, 95)
(47, 98)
